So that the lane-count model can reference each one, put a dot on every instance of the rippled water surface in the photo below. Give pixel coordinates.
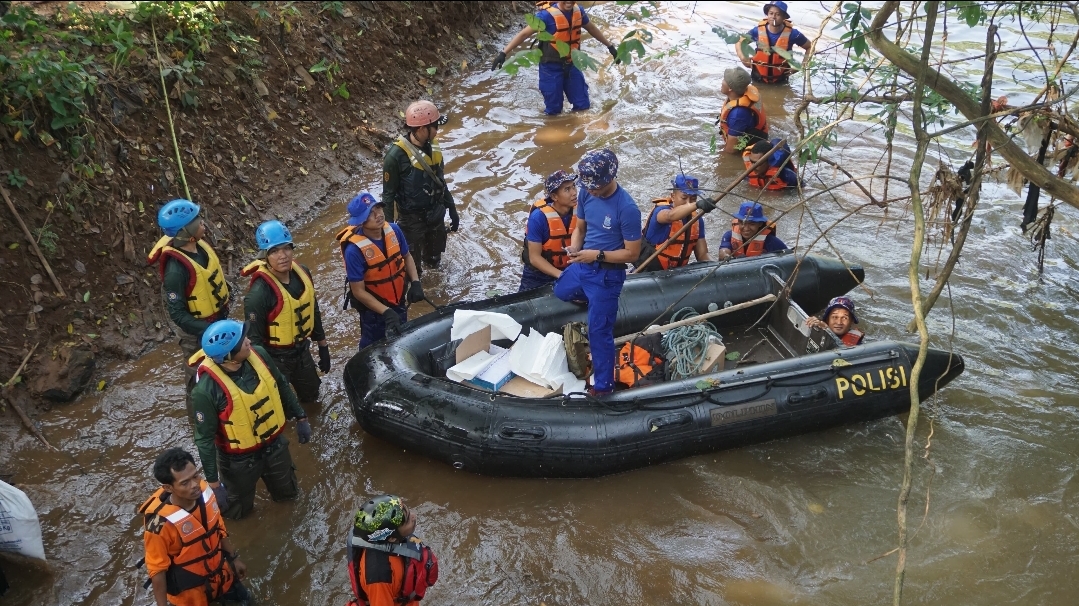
(796, 521)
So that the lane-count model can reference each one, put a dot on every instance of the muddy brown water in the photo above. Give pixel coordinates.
(793, 521)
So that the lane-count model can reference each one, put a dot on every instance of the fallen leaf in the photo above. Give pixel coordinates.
(18, 136)
(333, 416)
(816, 508)
(734, 355)
(13, 246)
(271, 115)
(333, 146)
(303, 171)
(70, 329)
(839, 362)
(101, 385)
(86, 296)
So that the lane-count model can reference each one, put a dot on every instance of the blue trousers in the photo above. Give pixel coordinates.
(558, 81)
(601, 288)
(530, 279)
(373, 326)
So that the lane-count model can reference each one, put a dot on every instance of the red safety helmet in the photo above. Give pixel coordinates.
(423, 113)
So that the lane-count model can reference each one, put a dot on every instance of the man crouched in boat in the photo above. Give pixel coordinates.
(751, 234)
(839, 318)
(667, 218)
(387, 564)
(377, 261)
(778, 172)
(547, 234)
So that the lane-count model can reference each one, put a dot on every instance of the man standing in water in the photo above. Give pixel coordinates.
(751, 234)
(774, 31)
(387, 564)
(547, 234)
(743, 114)
(607, 236)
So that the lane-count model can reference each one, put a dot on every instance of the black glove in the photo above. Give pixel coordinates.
(706, 204)
(614, 52)
(324, 358)
(303, 430)
(415, 292)
(392, 320)
(455, 220)
(499, 61)
(222, 495)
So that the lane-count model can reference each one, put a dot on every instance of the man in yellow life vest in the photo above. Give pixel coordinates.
(189, 557)
(377, 263)
(559, 78)
(742, 121)
(550, 226)
(667, 217)
(196, 293)
(242, 403)
(774, 31)
(282, 312)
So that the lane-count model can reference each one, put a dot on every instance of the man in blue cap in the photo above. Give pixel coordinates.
(377, 262)
(667, 218)
(774, 31)
(550, 227)
(839, 318)
(607, 236)
(751, 234)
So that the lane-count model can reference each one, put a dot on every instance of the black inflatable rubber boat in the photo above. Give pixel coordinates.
(789, 380)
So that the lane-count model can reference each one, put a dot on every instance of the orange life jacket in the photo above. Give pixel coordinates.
(637, 366)
(553, 248)
(201, 561)
(853, 337)
(770, 179)
(768, 65)
(385, 275)
(677, 253)
(752, 101)
(565, 31)
(755, 246)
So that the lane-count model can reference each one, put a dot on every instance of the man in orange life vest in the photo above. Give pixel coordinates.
(751, 234)
(559, 79)
(839, 318)
(387, 564)
(779, 172)
(668, 216)
(774, 31)
(189, 557)
(377, 261)
(743, 115)
(550, 226)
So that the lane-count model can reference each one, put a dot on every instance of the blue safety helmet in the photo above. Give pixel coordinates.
(175, 215)
(272, 234)
(752, 212)
(686, 184)
(222, 338)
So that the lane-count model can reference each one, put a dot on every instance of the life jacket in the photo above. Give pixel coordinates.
(249, 420)
(291, 320)
(768, 65)
(853, 337)
(553, 248)
(385, 275)
(421, 566)
(638, 364)
(755, 246)
(752, 101)
(418, 191)
(201, 561)
(770, 179)
(565, 31)
(677, 253)
(207, 292)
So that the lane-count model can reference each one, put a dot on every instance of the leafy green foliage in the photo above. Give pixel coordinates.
(856, 21)
(584, 61)
(16, 179)
(335, 9)
(522, 59)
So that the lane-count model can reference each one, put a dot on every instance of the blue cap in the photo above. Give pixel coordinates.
(841, 303)
(687, 185)
(752, 212)
(597, 168)
(359, 208)
(780, 5)
(557, 179)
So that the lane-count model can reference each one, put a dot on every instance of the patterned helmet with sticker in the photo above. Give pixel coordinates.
(379, 517)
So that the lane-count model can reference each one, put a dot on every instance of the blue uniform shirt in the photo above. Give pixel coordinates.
(356, 265)
(657, 233)
(771, 243)
(797, 38)
(610, 222)
(548, 20)
(739, 120)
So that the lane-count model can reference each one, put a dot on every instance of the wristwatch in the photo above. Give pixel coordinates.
(601, 256)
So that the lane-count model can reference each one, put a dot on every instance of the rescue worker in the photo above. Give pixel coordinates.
(242, 402)
(751, 234)
(607, 236)
(377, 263)
(839, 318)
(743, 114)
(559, 78)
(668, 216)
(414, 185)
(193, 283)
(774, 31)
(189, 557)
(387, 564)
(547, 234)
(779, 172)
(282, 311)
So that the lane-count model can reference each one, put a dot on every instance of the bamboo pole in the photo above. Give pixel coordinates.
(33, 243)
(695, 319)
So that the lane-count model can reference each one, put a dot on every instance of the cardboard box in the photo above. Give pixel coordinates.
(714, 358)
(474, 343)
(497, 373)
(523, 388)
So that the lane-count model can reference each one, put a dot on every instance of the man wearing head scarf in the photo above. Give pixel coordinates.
(548, 232)
(839, 318)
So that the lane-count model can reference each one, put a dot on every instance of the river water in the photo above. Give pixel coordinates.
(797, 521)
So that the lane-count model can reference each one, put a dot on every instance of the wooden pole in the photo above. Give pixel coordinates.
(33, 242)
(693, 219)
(695, 319)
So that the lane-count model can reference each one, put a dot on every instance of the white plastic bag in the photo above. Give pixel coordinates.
(20, 532)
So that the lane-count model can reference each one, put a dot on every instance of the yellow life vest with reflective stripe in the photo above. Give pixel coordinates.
(291, 320)
(249, 419)
(433, 160)
(207, 292)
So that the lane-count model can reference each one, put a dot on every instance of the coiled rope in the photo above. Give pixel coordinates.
(687, 346)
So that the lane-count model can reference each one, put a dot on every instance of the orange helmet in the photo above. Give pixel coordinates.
(422, 113)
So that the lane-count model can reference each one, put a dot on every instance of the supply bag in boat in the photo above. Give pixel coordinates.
(640, 362)
(20, 531)
(578, 355)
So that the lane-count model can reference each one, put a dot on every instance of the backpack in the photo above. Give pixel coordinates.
(578, 355)
(640, 362)
(421, 567)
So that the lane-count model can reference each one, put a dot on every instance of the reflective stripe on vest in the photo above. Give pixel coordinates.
(559, 238)
(418, 192)
(249, 419)
(769, 66)
(385, 274)
(291, 320)
(770, 179)
(565, 31)
(433, 160)
(755, 246)
(853, 337)
(752, 101)
(676, 254)
(207, 290)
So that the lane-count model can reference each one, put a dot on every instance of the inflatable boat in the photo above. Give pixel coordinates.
(788, 379)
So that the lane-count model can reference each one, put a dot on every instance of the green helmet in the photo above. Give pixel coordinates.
(379, 518)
